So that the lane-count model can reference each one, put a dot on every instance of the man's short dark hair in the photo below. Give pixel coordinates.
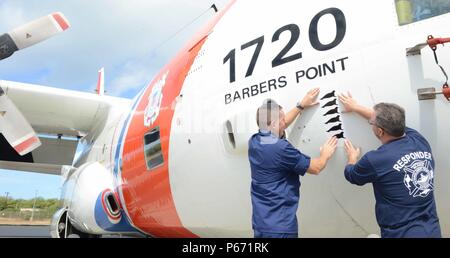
(268, 112)
(391, 118)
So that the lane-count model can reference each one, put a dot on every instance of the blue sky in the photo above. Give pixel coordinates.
(125, 37)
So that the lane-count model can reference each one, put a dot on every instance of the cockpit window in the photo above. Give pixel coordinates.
(409, 11)
(152, 149)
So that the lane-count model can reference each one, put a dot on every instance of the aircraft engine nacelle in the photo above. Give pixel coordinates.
(93, 206)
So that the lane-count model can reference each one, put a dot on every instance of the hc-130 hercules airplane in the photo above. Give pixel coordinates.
(173, 161)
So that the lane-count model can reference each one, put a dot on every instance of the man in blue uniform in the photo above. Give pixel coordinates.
(275, 168)
(401, 171)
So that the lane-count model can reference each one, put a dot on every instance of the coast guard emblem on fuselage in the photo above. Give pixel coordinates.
(154, 101)
(419, 178)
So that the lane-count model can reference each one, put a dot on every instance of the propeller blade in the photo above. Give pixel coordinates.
(15, 128)
(32, 33)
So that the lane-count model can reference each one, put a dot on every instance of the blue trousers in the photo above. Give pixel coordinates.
(275, 235)
(414, 229)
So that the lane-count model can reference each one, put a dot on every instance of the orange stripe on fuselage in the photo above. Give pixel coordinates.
(147, 194)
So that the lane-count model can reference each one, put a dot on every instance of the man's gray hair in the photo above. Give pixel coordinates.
(391, 118)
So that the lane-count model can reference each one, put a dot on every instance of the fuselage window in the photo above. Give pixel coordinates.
(152, 149)
(409, 11)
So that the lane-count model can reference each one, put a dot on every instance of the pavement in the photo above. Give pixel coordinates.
(20, 231)
(38, 231)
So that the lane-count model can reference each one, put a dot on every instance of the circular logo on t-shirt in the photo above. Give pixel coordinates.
(419, 178)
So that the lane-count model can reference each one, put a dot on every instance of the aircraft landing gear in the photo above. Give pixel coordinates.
(64, 229)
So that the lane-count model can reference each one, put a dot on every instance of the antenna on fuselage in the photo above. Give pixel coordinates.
(184, 27)
(213, 6)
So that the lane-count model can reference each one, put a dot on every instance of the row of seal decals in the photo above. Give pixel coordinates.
(335, 112)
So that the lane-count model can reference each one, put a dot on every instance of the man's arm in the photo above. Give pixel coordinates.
(307, 101)
(358, 172)
(293, 160)
(350, 105)
(317, 165)
(326, 151)
(292, 115)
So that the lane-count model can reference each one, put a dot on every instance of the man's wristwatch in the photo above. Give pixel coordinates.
(299, 106)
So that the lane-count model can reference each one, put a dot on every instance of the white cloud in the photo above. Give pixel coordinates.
(11, 15)
(122, 36)
(133, 76)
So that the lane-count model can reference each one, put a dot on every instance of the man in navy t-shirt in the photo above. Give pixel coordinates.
(401, 171)
(275, 168)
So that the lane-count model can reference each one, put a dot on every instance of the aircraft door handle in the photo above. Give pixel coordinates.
(430, 93)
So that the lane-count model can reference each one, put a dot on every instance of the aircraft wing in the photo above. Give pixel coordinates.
(59, 117)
